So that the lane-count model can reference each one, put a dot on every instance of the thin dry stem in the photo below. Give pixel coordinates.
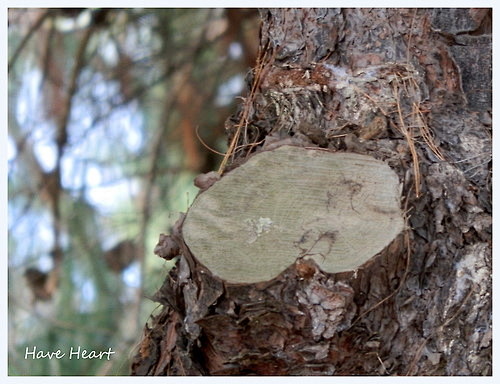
(243, 123)
(205, 144)
(408, 134)
(426, 133)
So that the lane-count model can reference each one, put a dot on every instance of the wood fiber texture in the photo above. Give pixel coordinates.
(338, 208)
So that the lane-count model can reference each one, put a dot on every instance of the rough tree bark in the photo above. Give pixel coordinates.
(410, 87)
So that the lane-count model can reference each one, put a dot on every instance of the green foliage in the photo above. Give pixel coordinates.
(104, 150)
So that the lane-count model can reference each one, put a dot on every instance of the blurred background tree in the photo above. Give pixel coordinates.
(112, 112)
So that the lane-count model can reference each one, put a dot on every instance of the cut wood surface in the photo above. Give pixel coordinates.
(339, 208)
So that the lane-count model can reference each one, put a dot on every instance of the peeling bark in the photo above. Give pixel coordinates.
(394, 84)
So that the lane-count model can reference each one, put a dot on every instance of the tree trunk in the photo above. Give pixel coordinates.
(410, 88)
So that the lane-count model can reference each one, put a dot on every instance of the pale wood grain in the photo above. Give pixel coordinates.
(339, 208)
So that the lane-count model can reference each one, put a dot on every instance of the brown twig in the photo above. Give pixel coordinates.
(243, 123)
(27, 37)
(426, 134)
(408, 134)
(62, 134)
(205, 144)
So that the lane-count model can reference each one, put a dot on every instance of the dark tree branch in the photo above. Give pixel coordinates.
(28, 36)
